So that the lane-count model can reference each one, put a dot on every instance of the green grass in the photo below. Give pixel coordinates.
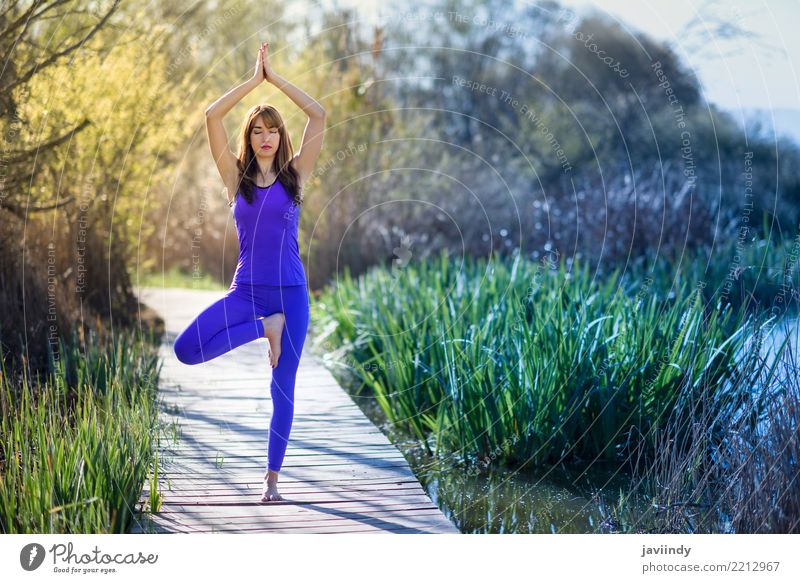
(174, 277)
(77, 445)
(533, 363)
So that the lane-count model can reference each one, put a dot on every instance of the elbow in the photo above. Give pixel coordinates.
(210, 113)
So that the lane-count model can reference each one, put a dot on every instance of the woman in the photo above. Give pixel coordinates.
(268, 295)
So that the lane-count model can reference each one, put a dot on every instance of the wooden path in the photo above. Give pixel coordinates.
(340, 473)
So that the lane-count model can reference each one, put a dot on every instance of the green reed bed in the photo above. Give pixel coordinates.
(76, 445)
(532, 363)
(746, 271)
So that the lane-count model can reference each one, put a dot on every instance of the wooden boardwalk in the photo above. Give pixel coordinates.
(340, 473)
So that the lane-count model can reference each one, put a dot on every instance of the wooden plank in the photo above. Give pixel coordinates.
(407, 499)
(320, 452)
(282, 509)
(338, 482)
(340, 474)
(255, 482)
(418, 518)
(256, 452)
(351, 528)
(288, 473)
(231, 492)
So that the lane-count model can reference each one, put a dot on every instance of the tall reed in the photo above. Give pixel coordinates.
(531, 363)
(738, 475)
(77, 445)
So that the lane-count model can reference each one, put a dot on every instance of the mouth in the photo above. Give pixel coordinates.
(266, 147)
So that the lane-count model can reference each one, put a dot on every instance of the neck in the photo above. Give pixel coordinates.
(264, 167)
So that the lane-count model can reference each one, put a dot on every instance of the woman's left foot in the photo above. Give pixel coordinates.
(273, 329)
(269, 492)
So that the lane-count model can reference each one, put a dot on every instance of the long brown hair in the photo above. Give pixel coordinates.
(248, 167)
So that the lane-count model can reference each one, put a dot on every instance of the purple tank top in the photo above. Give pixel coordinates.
(267, 228)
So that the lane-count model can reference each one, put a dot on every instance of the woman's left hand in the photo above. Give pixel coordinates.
(267, 69)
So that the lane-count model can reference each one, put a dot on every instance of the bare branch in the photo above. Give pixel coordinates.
(29, 17)
(9, 8)
(22, 211)
(55, 56)
(17, 156)
(697, 34)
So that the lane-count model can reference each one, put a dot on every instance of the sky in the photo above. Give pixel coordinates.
(762, 73)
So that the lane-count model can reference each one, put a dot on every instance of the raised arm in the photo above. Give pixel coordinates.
(314, 131)
(218, 137)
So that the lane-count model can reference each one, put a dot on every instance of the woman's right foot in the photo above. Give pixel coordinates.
(273, 329)
(269, 492)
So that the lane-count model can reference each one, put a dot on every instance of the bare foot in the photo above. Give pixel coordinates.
(269, 493)
(273, 329)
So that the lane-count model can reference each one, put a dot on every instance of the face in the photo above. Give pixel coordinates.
(264, 140)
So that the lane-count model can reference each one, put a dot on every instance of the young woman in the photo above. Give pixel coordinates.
(268, 296)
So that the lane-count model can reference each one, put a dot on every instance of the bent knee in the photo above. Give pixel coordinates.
(184, 353)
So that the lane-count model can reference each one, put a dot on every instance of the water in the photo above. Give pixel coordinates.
(558, 499)
(492, 499)
(790, 326)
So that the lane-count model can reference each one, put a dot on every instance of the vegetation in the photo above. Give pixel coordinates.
(595, 307)
(527, 364)
(175, 277)
(78, 445)
(736, 473)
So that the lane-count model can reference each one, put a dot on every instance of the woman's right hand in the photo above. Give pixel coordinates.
(258, 74)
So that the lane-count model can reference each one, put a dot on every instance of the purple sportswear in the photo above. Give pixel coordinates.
(269, 278)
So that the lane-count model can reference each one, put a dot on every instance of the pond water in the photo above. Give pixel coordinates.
(788, 326)
(492, 499)
(558, 499)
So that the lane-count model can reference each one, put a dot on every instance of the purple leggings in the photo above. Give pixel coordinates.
(234, 320)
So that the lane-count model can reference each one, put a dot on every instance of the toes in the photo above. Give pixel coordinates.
(272, 360)
(271, 497)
